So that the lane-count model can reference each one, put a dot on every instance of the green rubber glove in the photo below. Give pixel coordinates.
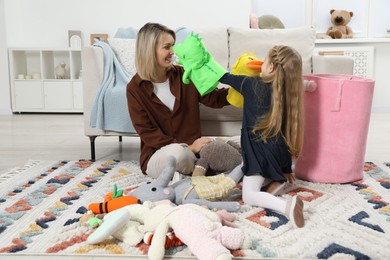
(199, 65)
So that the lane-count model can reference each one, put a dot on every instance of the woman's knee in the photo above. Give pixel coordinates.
(185, 159)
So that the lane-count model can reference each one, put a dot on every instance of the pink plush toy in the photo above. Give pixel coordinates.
(201, 230)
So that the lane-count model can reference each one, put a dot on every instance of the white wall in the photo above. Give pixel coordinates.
(45, 23)
(289, 19)
(381, 100)
(5, 100)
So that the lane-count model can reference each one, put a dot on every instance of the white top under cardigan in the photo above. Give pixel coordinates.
(163, 92)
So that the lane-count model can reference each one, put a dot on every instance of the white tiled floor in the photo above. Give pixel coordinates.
(60, 137)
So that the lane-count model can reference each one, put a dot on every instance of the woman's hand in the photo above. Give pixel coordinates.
(197, 145)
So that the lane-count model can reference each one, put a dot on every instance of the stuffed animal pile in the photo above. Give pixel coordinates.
(205, 236)
(161, 224)
(200, 190)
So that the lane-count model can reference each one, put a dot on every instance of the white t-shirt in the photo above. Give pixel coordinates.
(163, 92)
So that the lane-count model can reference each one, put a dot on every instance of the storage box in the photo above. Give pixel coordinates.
(337, 117)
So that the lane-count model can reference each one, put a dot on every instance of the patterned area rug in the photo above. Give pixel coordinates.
(42, 202)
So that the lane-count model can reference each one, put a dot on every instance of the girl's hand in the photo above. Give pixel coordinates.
(198, 144)
(290, 178)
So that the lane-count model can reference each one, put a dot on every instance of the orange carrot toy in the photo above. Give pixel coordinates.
(112, 201)
(108, 206)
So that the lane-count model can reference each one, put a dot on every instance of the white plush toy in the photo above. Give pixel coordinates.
(199, 228)
(127, 224)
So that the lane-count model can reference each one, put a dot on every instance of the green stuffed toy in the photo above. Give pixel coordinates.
(200, 67)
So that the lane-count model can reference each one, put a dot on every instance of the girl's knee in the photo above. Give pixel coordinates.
(245, 196)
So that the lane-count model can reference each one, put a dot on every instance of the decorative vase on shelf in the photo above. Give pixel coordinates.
(75, 42)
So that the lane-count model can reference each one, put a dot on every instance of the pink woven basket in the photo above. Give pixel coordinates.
(337, 116)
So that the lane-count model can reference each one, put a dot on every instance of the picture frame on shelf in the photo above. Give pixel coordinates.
(101, 37)
(74, 38)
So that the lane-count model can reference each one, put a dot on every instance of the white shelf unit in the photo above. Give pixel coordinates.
(34, 87)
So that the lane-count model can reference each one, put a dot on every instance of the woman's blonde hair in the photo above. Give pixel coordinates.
(285, 116)
(145, 55)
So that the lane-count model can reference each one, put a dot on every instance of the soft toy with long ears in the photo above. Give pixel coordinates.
(200, 190)
(201, 230)
(127, 224)
(208, 234)
(248, 65)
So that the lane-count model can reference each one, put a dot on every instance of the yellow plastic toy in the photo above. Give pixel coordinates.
(249, 65)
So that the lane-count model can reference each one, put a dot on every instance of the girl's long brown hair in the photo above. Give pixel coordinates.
(285, 116)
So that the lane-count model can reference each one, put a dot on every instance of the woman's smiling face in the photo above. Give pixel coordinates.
(164, 50)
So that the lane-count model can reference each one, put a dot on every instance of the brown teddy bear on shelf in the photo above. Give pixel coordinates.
(340, 29)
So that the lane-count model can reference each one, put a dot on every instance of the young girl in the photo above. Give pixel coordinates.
(272, 129)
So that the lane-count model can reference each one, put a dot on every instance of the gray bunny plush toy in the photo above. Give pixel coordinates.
(201, 190)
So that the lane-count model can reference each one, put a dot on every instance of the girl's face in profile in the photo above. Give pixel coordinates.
(267, 67)
(164, 50)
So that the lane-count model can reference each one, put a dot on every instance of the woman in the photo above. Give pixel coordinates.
(164, 110)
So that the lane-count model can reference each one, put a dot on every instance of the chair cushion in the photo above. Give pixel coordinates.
(124, 50)
(216, 42)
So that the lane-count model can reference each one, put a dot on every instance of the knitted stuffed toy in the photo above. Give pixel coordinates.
(218, 156)
(127, 224)
(201, 230)
(200, 190)
(206, 236)
(112, 201)
(199, 66)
